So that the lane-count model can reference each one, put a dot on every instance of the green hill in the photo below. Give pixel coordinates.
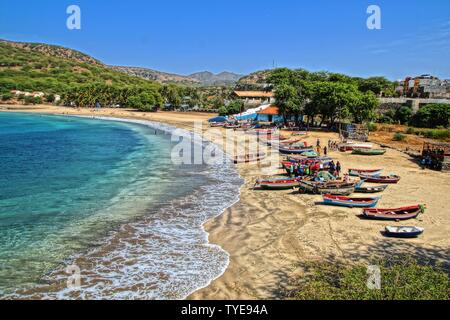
(54, 69)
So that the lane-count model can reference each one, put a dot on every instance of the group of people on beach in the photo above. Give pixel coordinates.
(312, 169)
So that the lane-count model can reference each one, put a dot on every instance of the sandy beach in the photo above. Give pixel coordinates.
(268, 234)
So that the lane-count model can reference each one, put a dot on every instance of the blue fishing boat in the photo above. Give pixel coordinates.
(350, 202)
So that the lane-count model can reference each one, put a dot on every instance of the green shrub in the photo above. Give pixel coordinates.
(223, 111)
(372, 127)
(401, 280)
(29, 100)
(7, 96)
(403, 114)
(432, 116)
(410, 130)
(50, 98)
(399, 137)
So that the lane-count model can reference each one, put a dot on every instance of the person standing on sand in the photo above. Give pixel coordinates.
(338, 169)
(325, 151)
(318, 142)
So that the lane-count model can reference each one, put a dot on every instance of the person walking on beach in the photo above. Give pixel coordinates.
(325, 151)
(338, 169)
(318, 142)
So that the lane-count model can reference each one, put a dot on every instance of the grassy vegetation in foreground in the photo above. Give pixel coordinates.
(402, 280)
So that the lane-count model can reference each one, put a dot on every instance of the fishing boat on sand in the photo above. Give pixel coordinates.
(303, 160)
(392, 179)
(350, 146)
(360, 188)
(368, 152)
(332, 187)
(366, 172)
(232, 126)
(217, 124)
(350, 202)
(278, 184)
(403, 213)
(290, 150)
(403, 232)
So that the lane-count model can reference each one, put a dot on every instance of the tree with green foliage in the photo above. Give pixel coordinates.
(403, 114)
(145, 101)
(287, 100)
(377, 85)
(364, 107)
(432, 116)
(235, 107)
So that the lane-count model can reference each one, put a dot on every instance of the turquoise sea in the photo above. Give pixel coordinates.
(105, 196)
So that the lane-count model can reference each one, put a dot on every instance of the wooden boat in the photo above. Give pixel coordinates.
(403, 232)
(261, 132)
(350, 202)
(368, 152)
(350, 146)
(369, 189)
(332, 187)
(232, 126)
(403, 213)
(288, 150)
(303, 160)
(369, 172)
(248, 158)
(310, 154)
(392, 179)
(284, 184)
(217, 124)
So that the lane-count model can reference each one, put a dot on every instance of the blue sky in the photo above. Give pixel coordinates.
(244, 35)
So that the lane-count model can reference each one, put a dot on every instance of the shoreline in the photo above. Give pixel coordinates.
(268, 234)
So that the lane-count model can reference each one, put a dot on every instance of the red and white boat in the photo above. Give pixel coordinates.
(403, 213)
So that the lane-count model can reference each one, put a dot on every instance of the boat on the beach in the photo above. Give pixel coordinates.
(350, 146)
(403, 213)
(249, 158)
(304, 160)
(403, 232)
(217, 124)
(360, 188)
(290, 150)
(310, 154)
(277, 184)
(263, 132)
(368, 152)
(350, 202)
(231, 126)
(332, 187)
(392, 179)
(367, 172)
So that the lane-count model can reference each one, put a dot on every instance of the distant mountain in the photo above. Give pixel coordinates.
(159, 76)
(205, 78)
(209, 78)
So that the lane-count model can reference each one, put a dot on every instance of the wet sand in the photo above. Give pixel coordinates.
(269, 233)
